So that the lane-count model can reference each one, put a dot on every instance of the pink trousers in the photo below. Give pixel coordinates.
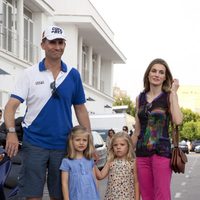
(154, 176)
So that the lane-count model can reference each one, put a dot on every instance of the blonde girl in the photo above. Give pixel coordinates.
(78, 180)
(120, 169)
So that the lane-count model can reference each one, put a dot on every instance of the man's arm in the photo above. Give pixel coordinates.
(12, 141)
(82, 116)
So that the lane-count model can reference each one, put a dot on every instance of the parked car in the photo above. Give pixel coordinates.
(197, 149)
(194, 144)
(104, 132)
(101, 149)
(184, 147)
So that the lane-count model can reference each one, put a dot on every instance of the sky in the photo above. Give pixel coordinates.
(149, 29)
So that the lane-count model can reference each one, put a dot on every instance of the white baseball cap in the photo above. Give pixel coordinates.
(53, 32)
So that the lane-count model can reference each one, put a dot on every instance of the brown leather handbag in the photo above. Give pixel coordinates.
(179, 158)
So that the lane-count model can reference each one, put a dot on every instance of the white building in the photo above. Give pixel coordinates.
(90, 46)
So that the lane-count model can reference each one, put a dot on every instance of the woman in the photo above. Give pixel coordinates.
(111, 132)
(155, 107)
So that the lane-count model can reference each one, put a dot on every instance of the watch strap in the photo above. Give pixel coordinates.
(11, 130)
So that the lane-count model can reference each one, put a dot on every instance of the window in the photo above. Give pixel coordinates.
(94, 75)
(85, 70)
(30, 50)
(8, 36)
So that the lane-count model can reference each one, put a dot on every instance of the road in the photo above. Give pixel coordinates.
(187, 186)
(184, 186)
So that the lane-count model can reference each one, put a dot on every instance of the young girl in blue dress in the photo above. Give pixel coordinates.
(78, 177)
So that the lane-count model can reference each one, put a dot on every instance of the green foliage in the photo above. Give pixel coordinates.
(190, 128)
(189, 115)
(120, 101)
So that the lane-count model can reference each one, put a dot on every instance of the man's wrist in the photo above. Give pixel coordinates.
(11, 130)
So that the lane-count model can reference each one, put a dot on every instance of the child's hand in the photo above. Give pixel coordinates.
(95, 157)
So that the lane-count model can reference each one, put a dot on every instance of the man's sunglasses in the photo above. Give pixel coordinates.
(54, 89)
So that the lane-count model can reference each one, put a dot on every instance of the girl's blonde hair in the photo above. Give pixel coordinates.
(88, 152)
(126, 137)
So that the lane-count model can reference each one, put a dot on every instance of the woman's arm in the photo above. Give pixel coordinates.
(64, 180)
(177, 116)
(136, 133)
(136, 186)
(103, 173)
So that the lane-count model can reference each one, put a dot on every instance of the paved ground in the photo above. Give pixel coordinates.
(102, 187)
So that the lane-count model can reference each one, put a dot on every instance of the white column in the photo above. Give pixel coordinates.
(20, 27)
(111, 79)
(80, 45)
(90, 65)
(1, 21)
(98, 71)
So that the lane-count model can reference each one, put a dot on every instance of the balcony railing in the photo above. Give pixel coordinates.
(9, 42)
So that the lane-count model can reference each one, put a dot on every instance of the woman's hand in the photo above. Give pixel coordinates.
(175, 85)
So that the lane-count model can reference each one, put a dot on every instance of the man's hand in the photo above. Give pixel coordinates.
(12, 144)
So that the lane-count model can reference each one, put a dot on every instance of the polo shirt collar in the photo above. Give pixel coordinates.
(43, 68)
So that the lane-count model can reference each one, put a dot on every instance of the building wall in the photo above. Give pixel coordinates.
(84, 8)
(48, 12)
(189, 97)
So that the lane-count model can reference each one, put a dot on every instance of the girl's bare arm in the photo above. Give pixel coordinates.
(103, 173)
(64, 180)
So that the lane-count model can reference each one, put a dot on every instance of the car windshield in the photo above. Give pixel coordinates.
(97, 138)
(182, 143)
(197, 142)
(103, 133)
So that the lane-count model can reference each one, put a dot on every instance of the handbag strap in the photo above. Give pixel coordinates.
(175, 135)
(175, 128)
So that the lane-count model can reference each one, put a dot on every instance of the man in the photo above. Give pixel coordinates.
(49, 88)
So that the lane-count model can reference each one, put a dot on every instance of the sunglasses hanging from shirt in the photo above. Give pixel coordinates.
(54, 89)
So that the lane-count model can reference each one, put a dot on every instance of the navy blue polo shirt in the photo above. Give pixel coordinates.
(48, 118)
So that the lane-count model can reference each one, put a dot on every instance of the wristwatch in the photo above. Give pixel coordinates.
(11, 130)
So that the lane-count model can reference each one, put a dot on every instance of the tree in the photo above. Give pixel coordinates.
(125, 100)
(190, 127)
(191, 130)
(189, 115)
